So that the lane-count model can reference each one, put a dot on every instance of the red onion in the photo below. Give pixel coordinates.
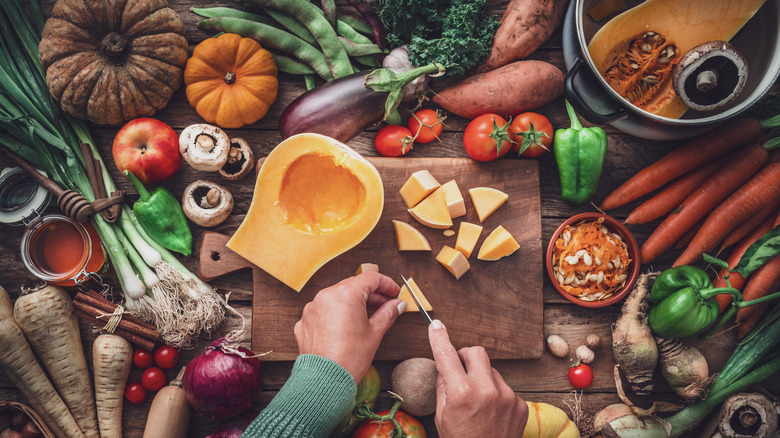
(223, 381)
(232, 429)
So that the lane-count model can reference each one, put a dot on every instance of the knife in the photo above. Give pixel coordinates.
(417, 301)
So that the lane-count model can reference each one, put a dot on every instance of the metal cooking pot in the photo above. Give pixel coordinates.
(596, 101)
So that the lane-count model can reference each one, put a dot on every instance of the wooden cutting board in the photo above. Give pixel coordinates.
(495, 304)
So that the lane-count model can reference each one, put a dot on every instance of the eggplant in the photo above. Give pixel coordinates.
(344, 107)
(340, 109)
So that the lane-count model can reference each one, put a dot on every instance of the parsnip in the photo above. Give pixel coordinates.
(112, 358)
(46, 318)
(19, 362)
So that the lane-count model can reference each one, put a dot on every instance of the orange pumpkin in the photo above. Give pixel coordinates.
(231, 81)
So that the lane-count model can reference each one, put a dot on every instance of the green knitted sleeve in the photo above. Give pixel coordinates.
(317, 395)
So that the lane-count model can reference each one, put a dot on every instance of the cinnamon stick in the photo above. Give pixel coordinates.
(124, 324)
(139, 341)
(98, 301)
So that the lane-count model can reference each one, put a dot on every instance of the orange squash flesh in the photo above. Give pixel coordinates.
(314, 199)
(681, 25)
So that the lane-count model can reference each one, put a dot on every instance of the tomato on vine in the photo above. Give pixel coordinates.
(393, 141)
(426, 125)
(532, 134)
(487, 137)
(580, 375)
(371, 428)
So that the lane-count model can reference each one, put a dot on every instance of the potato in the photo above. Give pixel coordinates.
(415, 381)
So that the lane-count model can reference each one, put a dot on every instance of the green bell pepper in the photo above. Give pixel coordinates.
(161, 216)
(579, 153)
(684, 303)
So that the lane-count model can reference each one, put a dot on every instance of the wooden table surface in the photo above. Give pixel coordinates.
(541, 380)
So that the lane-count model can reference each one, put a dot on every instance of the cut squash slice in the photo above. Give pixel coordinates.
(453, 260)
(406, 296)
(367, 267)
(314, 199)
(498, 244)
(432, 211)
(409, 238)
(486, 200)
(468, 235)
(418, 187)
(454, 199)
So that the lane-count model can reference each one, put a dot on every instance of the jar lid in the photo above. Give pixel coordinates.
(22, 199)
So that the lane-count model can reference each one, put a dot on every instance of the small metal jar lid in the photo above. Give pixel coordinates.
(22, 199)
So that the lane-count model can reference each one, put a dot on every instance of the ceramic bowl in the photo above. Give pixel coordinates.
(633, 252)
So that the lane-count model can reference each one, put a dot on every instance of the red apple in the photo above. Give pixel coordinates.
(149, 148)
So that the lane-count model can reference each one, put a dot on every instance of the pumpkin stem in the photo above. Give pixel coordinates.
(113, 45)
(230, 77)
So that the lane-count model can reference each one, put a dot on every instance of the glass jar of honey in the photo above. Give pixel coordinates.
(61, 251)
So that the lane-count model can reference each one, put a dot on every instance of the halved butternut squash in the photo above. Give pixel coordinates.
(314, 199)
(637, 50)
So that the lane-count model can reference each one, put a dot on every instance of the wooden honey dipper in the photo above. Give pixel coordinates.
(72, 203)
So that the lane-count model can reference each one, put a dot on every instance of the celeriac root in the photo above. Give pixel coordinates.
(632, 342)
(684, 368)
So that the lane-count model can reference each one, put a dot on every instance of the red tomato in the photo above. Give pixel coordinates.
(142, 358)
(166, 357)
(153, 379)
(484, 135)
(429, 124)
(532, 134)
(580, 375)
(393, 141)
(135, 393)
(373, 429)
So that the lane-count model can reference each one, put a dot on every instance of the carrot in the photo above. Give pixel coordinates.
(169, 416)
(46, 318)
(762, 282)
(704, 148)
(19, 362)
(736, 280)
(112, 358)
(507, 91)
(688, 236)
(537, 19)
(763, 188)
(670, 197)
(750, 224)
(718, 187)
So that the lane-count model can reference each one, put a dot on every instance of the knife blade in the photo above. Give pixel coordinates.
(417, 301)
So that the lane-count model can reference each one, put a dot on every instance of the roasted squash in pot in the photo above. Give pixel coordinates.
(111, 62)
(637, 51)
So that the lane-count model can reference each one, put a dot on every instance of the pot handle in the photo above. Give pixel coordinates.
(579, 103)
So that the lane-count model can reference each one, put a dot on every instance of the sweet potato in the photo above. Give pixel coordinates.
(525, 25)
(507, 91)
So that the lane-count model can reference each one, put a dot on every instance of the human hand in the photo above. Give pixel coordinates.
(472, 399)
(335, 323)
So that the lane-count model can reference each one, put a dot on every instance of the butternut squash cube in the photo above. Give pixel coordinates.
(409, 238)
(367, 267)
(454, 199)
(468, 235)
(314, 199)
(432, 211)
(418, 187)
(486, 200)
(453, 260)
(498, 244)
(406, 296)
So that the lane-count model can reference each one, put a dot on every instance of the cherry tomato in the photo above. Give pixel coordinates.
(428, 122)
(393, 141)
(484, 135)
(532, 134)
(142, 358)
(153, 379)
(166, 357)
(372, 429)
(135, 393)
(580, 375)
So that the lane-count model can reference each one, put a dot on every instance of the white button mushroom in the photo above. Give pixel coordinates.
(206, 204)
(240, 160)
(204, 147)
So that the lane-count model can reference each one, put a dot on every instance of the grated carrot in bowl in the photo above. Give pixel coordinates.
(590, 261)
